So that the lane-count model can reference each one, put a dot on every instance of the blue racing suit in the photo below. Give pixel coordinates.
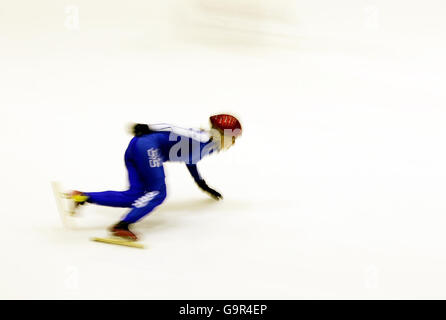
(144, 160)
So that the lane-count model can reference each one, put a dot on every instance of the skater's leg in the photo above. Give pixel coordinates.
(150, 166)
(145, 204)
(121, 198)
(141, 207)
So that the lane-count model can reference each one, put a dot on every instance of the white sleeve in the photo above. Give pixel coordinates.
(200, 135)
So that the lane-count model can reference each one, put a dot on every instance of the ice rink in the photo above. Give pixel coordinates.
(335, 190)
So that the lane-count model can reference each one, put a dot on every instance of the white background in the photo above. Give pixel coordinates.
(335, 190)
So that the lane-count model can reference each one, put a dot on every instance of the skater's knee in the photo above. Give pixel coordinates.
(145, 204)
(161, 196)
(151, 199)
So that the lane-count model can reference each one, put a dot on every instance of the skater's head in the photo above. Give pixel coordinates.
(225, 129)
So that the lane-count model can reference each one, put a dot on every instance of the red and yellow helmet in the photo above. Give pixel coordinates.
(224, 122)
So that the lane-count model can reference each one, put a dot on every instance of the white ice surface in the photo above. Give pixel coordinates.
(335, 190)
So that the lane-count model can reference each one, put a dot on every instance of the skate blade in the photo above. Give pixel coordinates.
(65, 214)
(121, 242)
(71, 211)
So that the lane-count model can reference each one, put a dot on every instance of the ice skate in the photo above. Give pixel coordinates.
(65, 205)
(121, 235)
(77, 199)
(121, 230)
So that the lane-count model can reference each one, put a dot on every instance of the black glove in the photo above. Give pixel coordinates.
(214, 194)
(140, 129)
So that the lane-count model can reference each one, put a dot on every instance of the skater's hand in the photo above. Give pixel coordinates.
(213, 193)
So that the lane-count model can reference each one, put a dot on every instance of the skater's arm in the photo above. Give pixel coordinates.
(193, 170)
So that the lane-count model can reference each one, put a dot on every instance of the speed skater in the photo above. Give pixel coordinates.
(151, 146)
